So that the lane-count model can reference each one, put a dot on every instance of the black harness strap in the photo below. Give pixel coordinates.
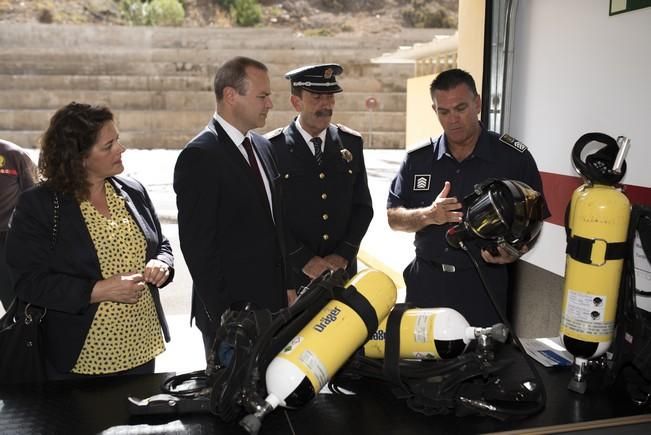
(580, 249)
(351, 297)
(391, 366)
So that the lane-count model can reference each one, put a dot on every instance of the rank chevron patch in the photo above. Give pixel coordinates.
(422, 181)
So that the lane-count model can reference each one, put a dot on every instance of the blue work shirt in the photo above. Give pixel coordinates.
(426, 168)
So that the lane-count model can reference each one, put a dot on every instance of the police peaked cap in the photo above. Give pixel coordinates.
(319, 79)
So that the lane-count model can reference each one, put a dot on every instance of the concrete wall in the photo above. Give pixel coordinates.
(421, 119)
(576, 70)
(422, 122)
(159, 80)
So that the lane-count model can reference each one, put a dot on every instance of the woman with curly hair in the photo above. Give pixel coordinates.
(86, 244)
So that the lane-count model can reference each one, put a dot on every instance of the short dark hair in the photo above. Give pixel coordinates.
(451, 79)
(72, 132)
(233, 74)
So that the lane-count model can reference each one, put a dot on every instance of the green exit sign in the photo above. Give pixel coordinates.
(621, 6)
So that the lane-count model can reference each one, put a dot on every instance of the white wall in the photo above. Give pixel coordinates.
(578, 70)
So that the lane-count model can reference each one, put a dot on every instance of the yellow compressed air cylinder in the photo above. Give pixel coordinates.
(590, 292)
(425, 333)
(311, 358)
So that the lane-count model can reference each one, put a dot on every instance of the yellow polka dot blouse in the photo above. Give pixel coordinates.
(122, 336)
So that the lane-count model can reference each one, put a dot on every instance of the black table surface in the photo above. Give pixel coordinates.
(100, 406)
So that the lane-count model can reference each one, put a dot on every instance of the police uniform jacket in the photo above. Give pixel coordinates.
(229, 238)
(426, 168)
(327, 208)
(61, 279)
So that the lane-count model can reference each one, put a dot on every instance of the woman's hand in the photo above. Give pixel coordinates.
(123, 287)
(156, 272)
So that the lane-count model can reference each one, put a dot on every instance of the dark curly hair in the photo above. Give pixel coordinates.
(72, 132)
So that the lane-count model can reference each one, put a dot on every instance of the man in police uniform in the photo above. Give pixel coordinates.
(327, 203)
(17, 173)
(425, 198)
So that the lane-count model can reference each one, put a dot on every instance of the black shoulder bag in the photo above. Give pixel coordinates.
(22, 359)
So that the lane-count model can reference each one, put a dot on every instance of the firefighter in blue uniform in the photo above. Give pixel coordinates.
(327, 204)
(425, 198)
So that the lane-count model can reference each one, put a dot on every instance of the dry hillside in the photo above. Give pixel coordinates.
(320, 17)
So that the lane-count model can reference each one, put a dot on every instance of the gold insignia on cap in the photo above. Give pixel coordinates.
(327, 73)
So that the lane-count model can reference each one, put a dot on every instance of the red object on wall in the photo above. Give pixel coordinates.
(558, 191)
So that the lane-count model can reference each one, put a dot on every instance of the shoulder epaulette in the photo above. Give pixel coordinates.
(349, 130)
(513, 143)
(420, 145)
(273, 133)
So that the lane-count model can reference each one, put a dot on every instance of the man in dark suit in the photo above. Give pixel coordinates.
(327, 202)
(227, 204)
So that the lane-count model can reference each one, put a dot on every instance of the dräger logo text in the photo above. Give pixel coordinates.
(327, 319)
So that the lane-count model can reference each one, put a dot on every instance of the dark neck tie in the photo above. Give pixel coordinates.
(318, 155)
(253, 162)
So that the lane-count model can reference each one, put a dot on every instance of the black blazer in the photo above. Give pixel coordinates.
(229, 240)
(62, 279)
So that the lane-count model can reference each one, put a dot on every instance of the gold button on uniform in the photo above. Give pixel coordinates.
(322, 175)
(326, 237)
(324, 196)
(325, 216)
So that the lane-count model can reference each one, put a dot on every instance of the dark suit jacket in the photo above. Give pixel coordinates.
(228, 238)
(327, 208)
(62, 279)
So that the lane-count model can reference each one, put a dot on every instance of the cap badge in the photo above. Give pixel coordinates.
(327, 73)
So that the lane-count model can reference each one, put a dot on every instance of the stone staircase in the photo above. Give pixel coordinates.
(158, 80)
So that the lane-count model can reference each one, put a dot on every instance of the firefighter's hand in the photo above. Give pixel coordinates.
(444, 209)
(336, 262)
(504, 256)
(315, 267)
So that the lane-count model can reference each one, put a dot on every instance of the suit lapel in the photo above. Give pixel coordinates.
(234, 154)
(301, 150)
(136, 215)
(224, 140)
(333, 144)
(71, 215)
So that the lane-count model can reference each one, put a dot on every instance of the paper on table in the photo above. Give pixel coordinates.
(547, 351)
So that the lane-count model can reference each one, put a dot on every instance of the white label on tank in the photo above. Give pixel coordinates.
(585, 313)
(420, 328)
(292, 344)
(424, 355)
(642, 275)
(315, 366)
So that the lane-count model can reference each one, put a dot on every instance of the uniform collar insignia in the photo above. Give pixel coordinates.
(346, 155)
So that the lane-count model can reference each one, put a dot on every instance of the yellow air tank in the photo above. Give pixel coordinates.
(597, 224)
(425, 333)
(309, 361)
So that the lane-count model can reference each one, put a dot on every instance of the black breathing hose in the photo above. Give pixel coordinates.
(532, 367)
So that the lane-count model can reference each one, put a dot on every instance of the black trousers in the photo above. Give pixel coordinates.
(429, 286)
